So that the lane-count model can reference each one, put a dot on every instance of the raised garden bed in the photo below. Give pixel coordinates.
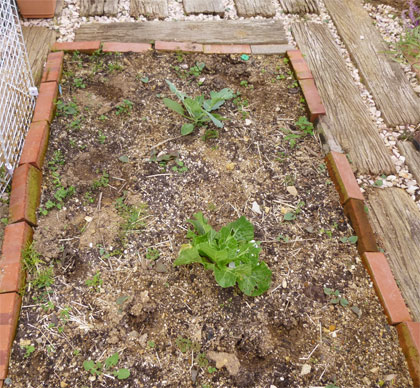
(120, 184)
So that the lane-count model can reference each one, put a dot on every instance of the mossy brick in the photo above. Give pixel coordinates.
(409, 337)
(227, 49)
(342, 175)
(9, 315)
(88, 47)
(54, 67)
(45, 103)
(25, 195)
(112, 47)
(313, 99)
(188, 47)
(299, 65)
(17, 237)
(386, 287)
(36, 143)
(355, 210)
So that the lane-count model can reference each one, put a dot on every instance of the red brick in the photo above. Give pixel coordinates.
(416, 140)
(342, 175)
(54, 67)
(9, 315)
(45, 103)
(36, 143)
(113, 47)
(179, 46)
(313, 99)
(1, 383)
(355, 210)
(17, 237)
(386, 287)
(227, 49)
(409, 336)
(87, 47)
(25, 195)
(300, 67)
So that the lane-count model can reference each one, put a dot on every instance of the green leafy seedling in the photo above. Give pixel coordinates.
(232, 254)
(351, 239)
(198, 110)
(336, 297)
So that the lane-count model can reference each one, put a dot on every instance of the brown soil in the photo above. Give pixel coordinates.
(160, 318)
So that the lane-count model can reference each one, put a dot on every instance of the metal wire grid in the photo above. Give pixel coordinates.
(16, 103)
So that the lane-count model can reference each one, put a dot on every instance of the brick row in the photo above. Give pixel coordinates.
(409, 337)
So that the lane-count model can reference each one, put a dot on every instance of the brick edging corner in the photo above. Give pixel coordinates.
(26, 189)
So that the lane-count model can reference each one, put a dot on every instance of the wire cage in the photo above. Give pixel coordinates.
(17, 92)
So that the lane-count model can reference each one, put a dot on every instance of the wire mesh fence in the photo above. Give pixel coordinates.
(17, 99)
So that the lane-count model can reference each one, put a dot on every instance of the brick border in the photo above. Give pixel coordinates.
(307, 83)
(26, 188)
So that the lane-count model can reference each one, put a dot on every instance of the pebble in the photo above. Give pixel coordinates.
(306, 369)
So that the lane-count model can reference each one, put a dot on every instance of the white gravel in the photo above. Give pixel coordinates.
(386, 19)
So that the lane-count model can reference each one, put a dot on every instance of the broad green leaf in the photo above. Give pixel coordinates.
(344, 239)
(174, 90)
(335, 300)
(194, 108)
(124, 159)
(200, 224)
(353, 239)
(241, 229)
(175, 106)
(122, 374)
(257, 282)
(205, 249)
(188, 255)
(88, 365)
(328, 291)
(289, 216)
(186, 129)
(344, 302)
(112, 360)
(216, 122)
(225, 277)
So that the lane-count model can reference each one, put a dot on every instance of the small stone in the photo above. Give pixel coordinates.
(374, 370)
(292, 190)
(284, 283)
(230, 166)
(63, 384)
(88, 219)
(248, 122)
(390, 377)
(194, 373)
(227, 360)
(256, 208)
(306, 369)
(161, 267)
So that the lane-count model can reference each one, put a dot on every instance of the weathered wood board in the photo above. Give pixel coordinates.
(59, 8)
(250, 8)
(224, 32)
(300, 7)
(384, 78)
(412, 158)
(38, 42)
(98, 7)
(396, 220)
(204, 6)
(349, 119)
(153, 9)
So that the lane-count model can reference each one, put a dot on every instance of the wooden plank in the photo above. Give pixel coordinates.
(249, 8)
(223, 32)
(412, 158)
(300, 7)
(153, 9)
(38, 42)
(396, 220)
(98, 7)
(384, 78)
(91, 7)
(204, 6)
(348, 116)
(59, 8)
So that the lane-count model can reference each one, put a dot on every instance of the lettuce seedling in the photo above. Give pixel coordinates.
(198, 111)
(232, 253)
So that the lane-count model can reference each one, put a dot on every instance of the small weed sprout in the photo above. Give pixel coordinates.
(336, 297)
(97, 368)
(95, 282)
(78, 82)
(124, 108)
(29, 349)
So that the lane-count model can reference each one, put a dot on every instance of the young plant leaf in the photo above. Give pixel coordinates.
(122, 374)
(290, 216)
(186, 129)
(344, 302)
(175, 106)
(112, 360)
